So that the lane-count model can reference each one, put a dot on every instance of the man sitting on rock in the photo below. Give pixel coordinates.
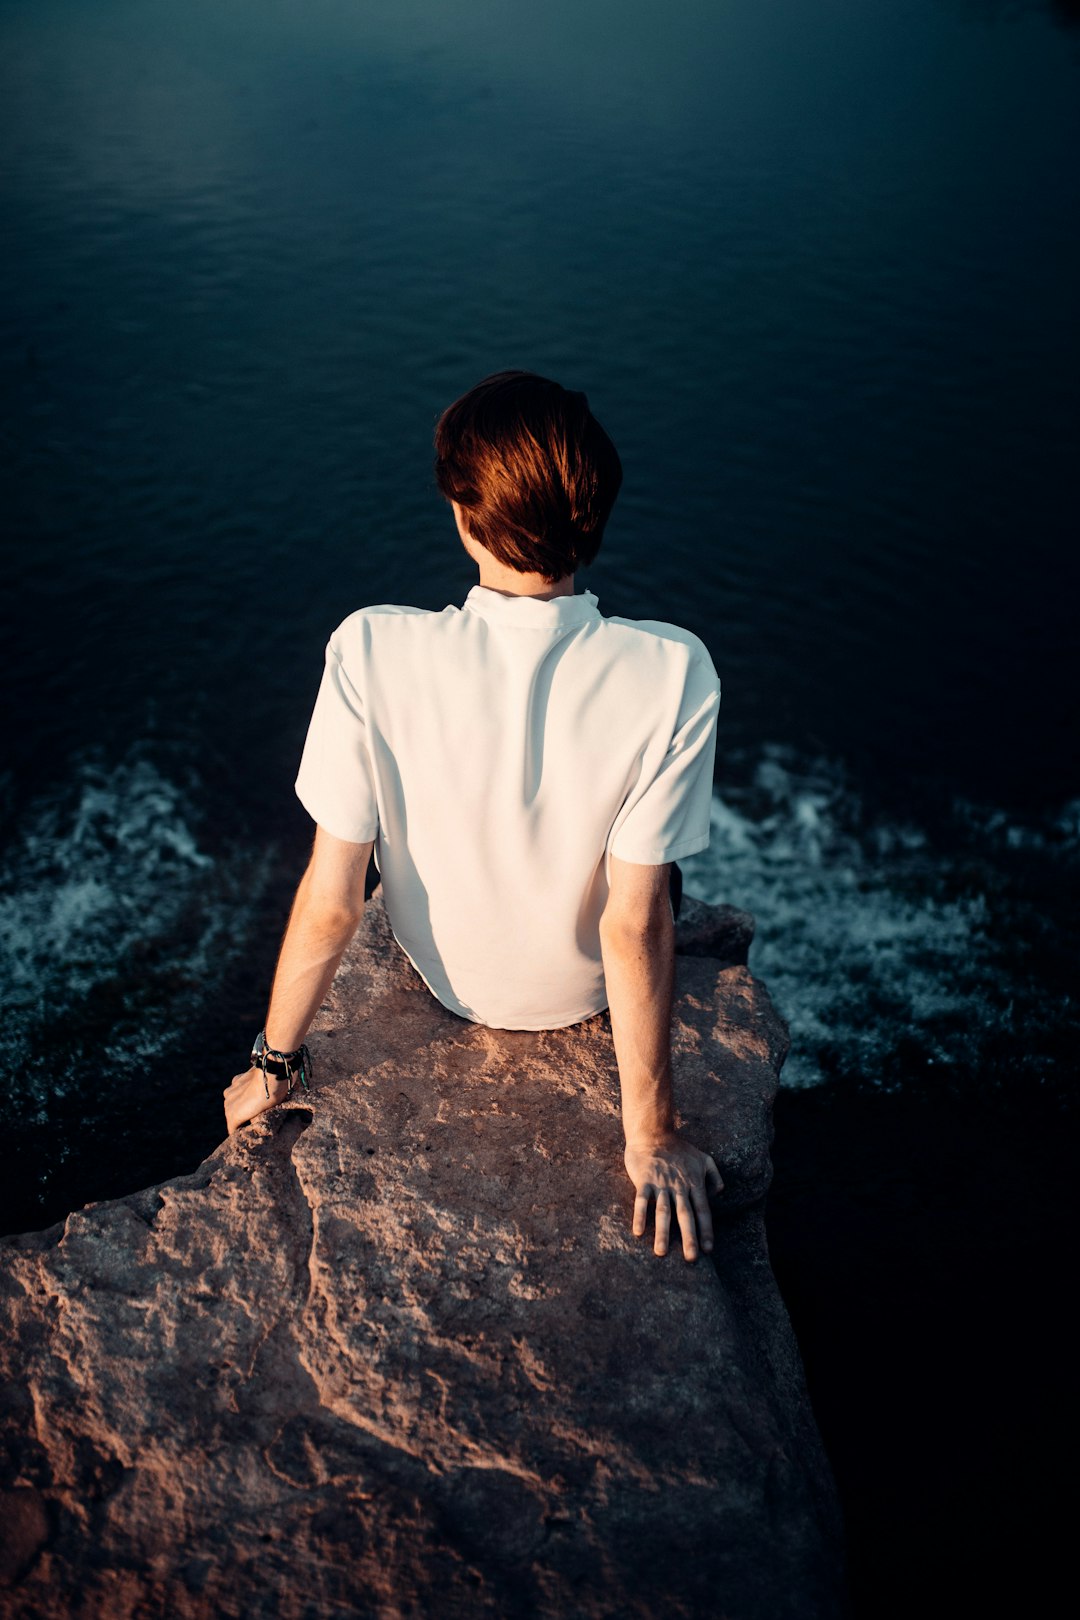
(527, 771)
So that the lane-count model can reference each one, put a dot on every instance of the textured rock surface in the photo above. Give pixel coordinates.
(393, 1350)
(721, 932)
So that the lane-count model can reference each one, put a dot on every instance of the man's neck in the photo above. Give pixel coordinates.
(508, 582)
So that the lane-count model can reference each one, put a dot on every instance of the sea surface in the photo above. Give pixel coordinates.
(816, 267)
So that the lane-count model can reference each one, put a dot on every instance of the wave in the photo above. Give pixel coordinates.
(890, 952)
(115, 922)
(892, 957)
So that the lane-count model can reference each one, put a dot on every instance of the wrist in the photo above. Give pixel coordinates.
(646, 1139)
(282, 1068)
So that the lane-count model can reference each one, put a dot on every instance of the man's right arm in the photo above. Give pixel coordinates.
(637, 942)
(325, 913)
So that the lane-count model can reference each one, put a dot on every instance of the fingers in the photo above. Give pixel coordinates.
(662, 1236)
(688, 1225)
(237, 1109)
(663, 1220)
(704, 1216)
(243, 1100)
(249, 1095)
(679, 1188)
(681, 1179)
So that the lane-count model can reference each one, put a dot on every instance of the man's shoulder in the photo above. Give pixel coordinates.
(378, 610)
(357, 628)
(674, 636)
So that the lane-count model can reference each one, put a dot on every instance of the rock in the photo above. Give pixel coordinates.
(394, 1351)
(721, 932)
(24, 1530)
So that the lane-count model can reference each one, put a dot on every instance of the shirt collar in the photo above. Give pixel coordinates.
(532, 612)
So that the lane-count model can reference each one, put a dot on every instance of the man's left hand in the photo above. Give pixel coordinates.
(671, 1169)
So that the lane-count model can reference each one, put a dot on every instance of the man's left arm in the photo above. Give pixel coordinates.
(328, 906)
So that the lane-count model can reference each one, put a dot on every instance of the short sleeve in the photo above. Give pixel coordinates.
(335, 783)
(668, 816)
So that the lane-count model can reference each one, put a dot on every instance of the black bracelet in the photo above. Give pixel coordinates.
(283, 1065)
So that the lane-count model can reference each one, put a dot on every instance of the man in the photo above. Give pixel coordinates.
(526, 772)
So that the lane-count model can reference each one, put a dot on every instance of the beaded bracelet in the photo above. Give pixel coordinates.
(284, 1065)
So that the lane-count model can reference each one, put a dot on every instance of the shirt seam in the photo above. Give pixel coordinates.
(670, 852)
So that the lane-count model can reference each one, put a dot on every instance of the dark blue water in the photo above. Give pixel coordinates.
(816, 267)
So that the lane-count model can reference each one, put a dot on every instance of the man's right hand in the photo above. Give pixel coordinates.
(246, 1097)
(673, 1171)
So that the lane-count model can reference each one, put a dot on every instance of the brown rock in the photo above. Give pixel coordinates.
(721, 932)
(24, 1530)
(393, 1350)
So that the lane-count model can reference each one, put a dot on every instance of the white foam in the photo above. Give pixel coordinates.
(104, 883)
(863, 938)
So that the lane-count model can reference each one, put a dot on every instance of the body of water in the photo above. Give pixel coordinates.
(816, 266)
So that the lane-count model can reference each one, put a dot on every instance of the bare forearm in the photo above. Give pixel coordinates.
(328, 905)
(314, 943)
(639, 968)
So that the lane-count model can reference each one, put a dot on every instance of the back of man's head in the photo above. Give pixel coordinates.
(532, 469)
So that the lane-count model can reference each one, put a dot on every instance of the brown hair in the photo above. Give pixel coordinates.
(532, 469)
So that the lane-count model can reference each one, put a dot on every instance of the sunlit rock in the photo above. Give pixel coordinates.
(393, 1350)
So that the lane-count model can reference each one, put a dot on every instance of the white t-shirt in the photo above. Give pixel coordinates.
(498, 754)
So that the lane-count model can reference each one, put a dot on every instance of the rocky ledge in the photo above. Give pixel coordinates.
(394, 1351)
